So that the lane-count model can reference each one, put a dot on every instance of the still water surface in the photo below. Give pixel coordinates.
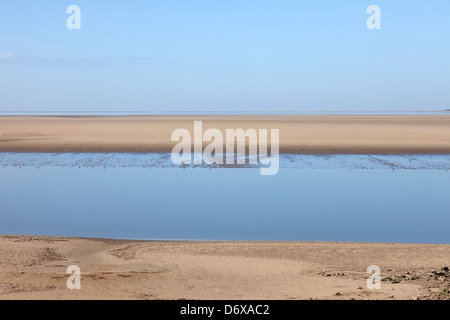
(349, 200)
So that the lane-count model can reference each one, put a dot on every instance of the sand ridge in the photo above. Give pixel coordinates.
(325, 134)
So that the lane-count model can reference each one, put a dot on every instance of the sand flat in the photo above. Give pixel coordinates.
(391, 134)
(34, 267)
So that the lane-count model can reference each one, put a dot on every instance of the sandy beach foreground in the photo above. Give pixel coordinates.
(298, 134)
(34, 267)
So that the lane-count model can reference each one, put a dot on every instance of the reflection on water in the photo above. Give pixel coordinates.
(319, 204)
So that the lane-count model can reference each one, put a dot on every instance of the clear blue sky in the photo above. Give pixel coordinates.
(232, 55)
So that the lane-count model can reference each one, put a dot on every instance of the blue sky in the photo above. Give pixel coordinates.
(224, 56)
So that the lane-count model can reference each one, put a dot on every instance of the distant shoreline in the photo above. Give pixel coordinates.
(299, 134)
(220, 113)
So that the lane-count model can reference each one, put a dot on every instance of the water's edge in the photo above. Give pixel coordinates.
(287, 161)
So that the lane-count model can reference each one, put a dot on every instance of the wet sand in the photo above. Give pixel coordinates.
(298, 134)
(34, 267)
